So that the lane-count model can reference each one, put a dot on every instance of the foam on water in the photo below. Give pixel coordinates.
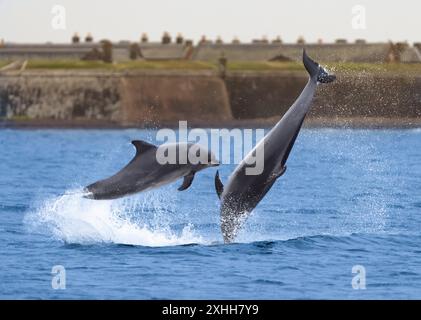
(133, 221)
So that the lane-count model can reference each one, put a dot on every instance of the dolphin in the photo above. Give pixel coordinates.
(243, 191)
(146, 171)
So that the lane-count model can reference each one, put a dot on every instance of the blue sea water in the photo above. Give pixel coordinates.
(348, 198)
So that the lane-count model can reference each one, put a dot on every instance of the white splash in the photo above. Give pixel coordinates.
(132, 221)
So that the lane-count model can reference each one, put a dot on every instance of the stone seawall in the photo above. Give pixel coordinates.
(154, 98)
(260, 95)
(121, 98)
(60, 96)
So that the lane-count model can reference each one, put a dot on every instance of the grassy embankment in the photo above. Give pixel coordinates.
(370, 68)
(3, 63)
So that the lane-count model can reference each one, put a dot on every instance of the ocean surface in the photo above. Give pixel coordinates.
(349, 199)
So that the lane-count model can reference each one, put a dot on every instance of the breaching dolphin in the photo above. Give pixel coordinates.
(145, 171)
(244, 191)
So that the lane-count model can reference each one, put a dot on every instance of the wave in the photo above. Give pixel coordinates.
(156, 219)
(132, 221)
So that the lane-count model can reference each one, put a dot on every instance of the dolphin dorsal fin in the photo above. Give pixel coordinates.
(142, 146)
(219, 187)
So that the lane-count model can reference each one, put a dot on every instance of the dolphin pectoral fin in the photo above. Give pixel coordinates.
(186, 182)
(281, 172)
(142, 146)
(218, 185)
(275, 175)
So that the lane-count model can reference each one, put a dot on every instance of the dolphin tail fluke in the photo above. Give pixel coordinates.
(218, 185)
(311, 66)
(316, 71)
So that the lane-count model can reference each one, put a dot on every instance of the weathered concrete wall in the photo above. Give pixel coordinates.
(171, 98)
(267, 95)
(151, 98)
(254, 95)
(58, 96)
(370, 96)
(123, 98)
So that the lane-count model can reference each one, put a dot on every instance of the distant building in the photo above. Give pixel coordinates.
(341, 41)
(236, 51)
(410, 55)
(89, 38)
(166, 38)
(301, 41)
(179, 39)
(334, 52)
(205, 50)
(144, 38)
(236, 41)
(340, 52)
(157, 51)
(418, 46)
(13, 51)
(219, 40)
(263, 40)
(204, 40)
(277, 40)
(75, 38)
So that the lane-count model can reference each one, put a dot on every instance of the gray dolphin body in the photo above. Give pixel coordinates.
(145, 172)
(243, 192)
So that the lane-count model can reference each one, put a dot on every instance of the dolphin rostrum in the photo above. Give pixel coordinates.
(149, 169)
(244, 191)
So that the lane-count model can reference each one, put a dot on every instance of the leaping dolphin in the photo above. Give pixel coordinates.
(243, 192)
(145, 171)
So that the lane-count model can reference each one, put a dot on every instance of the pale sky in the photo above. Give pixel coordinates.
(30, 20)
